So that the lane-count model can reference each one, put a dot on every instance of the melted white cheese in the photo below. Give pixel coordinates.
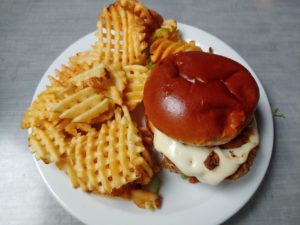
(190, 159)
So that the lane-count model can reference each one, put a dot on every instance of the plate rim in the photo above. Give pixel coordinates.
(181, 27)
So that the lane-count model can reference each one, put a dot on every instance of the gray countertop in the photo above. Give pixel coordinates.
(33, 32)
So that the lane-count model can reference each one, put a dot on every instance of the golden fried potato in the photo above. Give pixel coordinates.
(136, 76)
(121, 36)
(145, 199)
(73, 128)
(151, 19)
(40, 109)
(82, 106)
(161, 48)
(66, 73)
(105, 160)
(89, 57)
(47, 143)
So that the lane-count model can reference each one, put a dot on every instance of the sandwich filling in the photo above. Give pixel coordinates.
(191, 160)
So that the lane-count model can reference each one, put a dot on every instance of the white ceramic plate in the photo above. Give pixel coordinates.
(183, 203)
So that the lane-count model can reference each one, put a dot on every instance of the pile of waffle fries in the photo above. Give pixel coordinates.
(82, 121)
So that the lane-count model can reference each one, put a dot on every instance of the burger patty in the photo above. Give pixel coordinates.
(241, 171)
(235, 143)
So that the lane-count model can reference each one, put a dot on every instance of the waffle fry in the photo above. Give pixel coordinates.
(106, 160)
(89, 57)
(166, 40)
(73, 128)
(82, 106)
(47, 143)
(145, 199)
(152, 20)
(66, 73)
(118, 76)
(40, 109)
(161, 48)
(146, 135)
(136, 8)
(97, 71)
(136, 76)
(121, 36)
(118, 79)
(104, 116)
(108, 80)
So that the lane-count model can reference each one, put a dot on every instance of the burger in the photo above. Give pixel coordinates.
(200, 108)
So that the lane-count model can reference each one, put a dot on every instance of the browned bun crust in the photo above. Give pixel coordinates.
(200, 98)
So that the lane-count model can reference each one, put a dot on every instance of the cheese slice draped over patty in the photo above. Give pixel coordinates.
(190, 159)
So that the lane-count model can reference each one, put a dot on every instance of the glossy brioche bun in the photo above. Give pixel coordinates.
(200, 98)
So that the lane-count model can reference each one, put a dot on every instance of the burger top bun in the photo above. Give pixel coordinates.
(200, 98)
